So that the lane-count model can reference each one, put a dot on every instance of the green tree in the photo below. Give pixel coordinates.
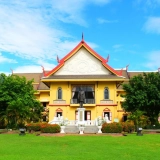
(138, 118)
(143, 93)
(17, 101)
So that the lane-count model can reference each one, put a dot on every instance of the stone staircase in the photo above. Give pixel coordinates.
(71, 129)
(87, 129)
(91, 129)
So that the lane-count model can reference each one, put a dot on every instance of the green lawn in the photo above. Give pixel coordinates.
(79, 147)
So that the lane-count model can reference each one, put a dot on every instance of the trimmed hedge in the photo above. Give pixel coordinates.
(118, 127)
(112, 127)
(50, 128)
(33, 126)
(43, 127)
(128, 127)
(156, 126)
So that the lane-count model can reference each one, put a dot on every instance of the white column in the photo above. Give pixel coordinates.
(81, 112)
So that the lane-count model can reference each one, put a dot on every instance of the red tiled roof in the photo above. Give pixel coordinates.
(70, 54)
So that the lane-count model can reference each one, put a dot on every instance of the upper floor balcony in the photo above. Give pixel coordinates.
(86, 101)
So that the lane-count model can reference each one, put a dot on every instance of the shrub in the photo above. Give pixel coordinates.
(128, 127)
(112, 127)
(43, 127)
(50, 128)
(33, 126)
(156, 126)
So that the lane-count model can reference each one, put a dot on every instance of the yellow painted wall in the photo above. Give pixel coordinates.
(69, 111)
(100, 91)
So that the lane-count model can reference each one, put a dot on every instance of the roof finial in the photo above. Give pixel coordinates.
(158, 70)
(11, 70)
(58, 59)
(82, 37)
(107, 58)
(42, 68)
(127, 67)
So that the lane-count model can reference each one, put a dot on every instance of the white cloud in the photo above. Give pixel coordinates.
(153, 58)
(152, 25)
(26, 33)
(6, 60)
(71, 11)
(148, 3)
(30, 29)
(92, 45)
(47, 66)
(28, 69)
(152, 3)
(102, 21)
(100, 2)
(6, 73)
(116, 46)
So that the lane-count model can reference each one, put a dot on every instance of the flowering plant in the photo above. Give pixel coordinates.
(63, 122)
(100, 121)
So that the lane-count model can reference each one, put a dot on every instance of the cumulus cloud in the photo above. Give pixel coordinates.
(152, 25)
(24, 33)
(153, 58)
(102, 21)
(148, 3)
(28, 69)
(6, 73)
(152, 3)
(32, 30)
(71, 11)
(117, 46)
(6, 60)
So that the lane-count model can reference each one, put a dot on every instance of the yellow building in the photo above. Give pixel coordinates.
(82, 68)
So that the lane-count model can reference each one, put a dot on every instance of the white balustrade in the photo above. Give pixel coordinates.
(87, 123)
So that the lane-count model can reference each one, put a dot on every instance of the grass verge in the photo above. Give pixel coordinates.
(76, 147)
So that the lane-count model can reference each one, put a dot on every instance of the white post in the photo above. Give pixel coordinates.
(81, 121)
(81, 116)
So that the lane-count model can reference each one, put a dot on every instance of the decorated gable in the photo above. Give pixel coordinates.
(82, 60)
(83, 63)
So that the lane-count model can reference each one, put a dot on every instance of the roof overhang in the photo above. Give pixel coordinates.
(75, 80)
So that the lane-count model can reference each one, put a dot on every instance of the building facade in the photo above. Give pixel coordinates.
(82, 68)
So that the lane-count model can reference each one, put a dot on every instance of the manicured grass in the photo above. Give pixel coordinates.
(79, 147)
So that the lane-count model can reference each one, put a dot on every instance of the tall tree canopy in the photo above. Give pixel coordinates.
(17, 101)
(143, 93)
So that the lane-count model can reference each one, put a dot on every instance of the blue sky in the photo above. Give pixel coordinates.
(34, 32)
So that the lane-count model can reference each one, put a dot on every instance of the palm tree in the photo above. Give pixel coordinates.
(138, 118)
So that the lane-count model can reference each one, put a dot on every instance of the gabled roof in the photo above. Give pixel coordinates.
(90, 50)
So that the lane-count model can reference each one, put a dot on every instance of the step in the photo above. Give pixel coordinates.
(71, 129)
(75, 129)
(91, 129)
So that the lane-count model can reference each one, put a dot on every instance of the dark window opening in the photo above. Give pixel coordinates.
(124, 118)
(44, 118)
(89, 93)
(59, 93)
(44, 104)
(106, 93)
(87, 115)
(58, 114)
(108, 114)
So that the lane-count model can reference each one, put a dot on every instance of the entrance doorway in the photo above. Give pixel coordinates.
(87, 115)
(108, 114)
(124, 118)
(58, 114)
